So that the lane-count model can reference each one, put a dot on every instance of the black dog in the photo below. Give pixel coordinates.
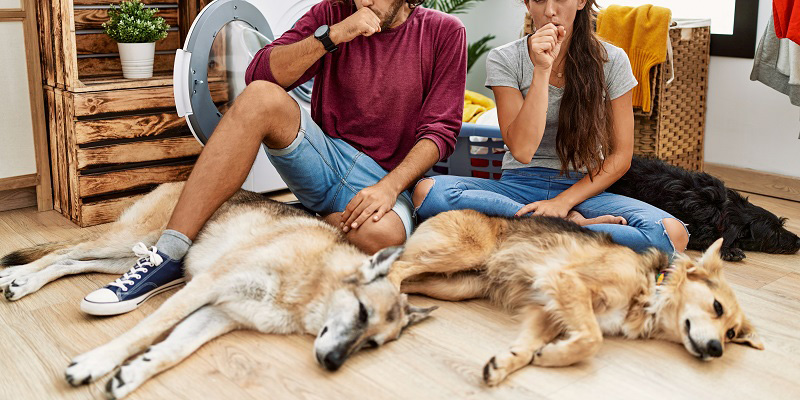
(708, 208)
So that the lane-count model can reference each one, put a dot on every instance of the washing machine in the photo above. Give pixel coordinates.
(210, 68)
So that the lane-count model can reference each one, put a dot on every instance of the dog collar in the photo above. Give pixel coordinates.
(662, 276)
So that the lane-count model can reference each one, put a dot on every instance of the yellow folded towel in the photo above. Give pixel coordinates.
(475, 104)
(642, 32)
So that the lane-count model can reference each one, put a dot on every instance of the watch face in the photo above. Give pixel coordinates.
(321, 31)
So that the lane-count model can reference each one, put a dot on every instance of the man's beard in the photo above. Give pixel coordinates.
(388, 18)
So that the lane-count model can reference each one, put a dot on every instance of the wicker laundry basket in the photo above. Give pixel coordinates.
(675, 128)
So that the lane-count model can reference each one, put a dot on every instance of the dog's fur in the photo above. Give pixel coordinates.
(257, 264)
(570, 286)
(710, 210)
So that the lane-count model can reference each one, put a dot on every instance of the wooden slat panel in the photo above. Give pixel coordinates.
(58, 41)
(91, 185)
(107, 2)
(45, 43)
(70, 53)
(134, 100)
(61, 148)
(100, 43)
(107, 66)
(150, 150)
(72, 155)
(52, 131)
(104, 211)
(94, 18)
(135, 126)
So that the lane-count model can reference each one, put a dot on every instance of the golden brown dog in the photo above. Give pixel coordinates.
(570, 286)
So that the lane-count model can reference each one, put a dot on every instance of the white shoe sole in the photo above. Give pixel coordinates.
(122, 307)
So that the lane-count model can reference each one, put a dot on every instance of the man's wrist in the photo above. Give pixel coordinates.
(389, 184)
(336, 34)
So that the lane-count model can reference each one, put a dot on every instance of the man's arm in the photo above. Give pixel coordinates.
(436, 134)
(289, 62)
(379, 199)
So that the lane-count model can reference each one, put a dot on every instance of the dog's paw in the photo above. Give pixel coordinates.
(130, 376)
(20, 288)
(493, 373)
(732, 254)
(87, 368)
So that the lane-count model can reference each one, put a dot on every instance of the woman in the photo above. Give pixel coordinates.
(564, 106)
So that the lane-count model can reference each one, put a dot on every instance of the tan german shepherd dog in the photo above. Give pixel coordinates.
(570, 286)
(257, 264)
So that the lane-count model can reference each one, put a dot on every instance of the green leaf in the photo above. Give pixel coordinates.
(477, 49)
(451, 6)
(132, 22)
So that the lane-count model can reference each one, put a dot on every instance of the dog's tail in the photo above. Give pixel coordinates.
(31, 254)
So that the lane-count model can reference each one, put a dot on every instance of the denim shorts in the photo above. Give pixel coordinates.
(325, 173)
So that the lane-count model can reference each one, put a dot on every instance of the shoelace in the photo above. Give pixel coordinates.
(147, 259)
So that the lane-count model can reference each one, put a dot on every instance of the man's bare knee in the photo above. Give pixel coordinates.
(677, 233)
(374, 236)
(277, 115)
(421, 191)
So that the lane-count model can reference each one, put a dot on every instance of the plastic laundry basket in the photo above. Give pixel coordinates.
(479, 153)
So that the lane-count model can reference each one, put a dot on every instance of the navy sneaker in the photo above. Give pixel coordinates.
(154, 273)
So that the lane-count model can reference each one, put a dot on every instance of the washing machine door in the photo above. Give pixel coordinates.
(210, 68)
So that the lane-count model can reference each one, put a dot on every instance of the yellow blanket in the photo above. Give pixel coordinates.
(642, 32)
(475, 104)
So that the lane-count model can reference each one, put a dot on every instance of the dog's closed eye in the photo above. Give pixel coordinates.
(718, 308)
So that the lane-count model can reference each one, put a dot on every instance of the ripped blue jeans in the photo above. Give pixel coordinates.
(518, 187)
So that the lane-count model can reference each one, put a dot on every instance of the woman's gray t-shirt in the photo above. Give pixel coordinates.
(510, 65)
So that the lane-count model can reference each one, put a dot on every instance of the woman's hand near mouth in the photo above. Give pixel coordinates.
(545, 45)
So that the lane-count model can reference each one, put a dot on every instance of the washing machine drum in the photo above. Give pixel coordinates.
(210, 68)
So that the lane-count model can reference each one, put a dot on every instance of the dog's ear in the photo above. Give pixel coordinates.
(748, 336)
(711, 259)
(415, 314)
(378, 265)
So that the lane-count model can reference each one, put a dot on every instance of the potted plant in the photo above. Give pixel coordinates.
(136, 29)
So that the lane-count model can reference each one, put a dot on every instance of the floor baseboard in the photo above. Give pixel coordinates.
(750, 180)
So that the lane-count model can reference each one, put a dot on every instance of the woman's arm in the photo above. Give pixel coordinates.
(522, 121)
(614, 166)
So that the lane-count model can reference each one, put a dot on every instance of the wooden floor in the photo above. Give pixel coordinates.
(440, 358)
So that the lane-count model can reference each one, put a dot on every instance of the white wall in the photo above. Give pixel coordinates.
(748, 125)
(17, 156)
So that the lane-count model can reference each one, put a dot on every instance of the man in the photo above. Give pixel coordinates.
(386, 106)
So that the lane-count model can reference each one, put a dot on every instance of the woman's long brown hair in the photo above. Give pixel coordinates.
(584, 120)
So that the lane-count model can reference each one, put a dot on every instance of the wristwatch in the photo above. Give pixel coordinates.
(323, 35)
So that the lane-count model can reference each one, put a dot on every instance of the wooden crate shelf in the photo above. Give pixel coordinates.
(111, 146)
(77, 56)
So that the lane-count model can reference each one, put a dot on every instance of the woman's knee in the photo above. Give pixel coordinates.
(677, 233)
(421, 191)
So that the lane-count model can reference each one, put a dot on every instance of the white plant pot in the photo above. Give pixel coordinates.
(137, 59)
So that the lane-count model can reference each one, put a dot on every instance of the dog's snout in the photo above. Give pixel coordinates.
(333, 360)
(714, 348)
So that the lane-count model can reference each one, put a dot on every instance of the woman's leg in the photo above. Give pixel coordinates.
(499, 198)
(647, 226)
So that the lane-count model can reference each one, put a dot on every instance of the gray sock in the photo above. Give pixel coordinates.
(174, 244)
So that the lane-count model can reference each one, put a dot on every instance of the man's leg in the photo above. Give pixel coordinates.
(263, 113)
(373, 236)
